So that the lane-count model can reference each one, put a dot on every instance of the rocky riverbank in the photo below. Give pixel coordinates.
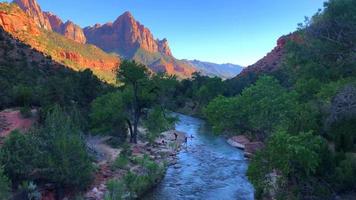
(244, 143)
(163, 152)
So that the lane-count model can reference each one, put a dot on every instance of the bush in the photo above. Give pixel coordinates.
(108, 115)
(346, 173)
(19, 156)
(65, 151)
(26, 112)
(55, 152)
(120, 162)
(29, 191)
(116, 190)
(344, 135)
(5, 189)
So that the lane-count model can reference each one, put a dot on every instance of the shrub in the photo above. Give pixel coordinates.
(19, 156)
(346, 173)
(25, 112)
(116, 190)
(65, 151)
(120, 162)
(29, 191)
(5, 190)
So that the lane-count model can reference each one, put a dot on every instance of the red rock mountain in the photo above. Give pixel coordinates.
(131, 40)
(125, 36)
(26, 28)
(68, 29)
(49, 21)
(31, 8)
(273, 59)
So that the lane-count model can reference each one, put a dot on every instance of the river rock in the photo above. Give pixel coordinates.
(238, 141)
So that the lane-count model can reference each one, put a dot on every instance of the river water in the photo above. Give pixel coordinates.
(207, 169)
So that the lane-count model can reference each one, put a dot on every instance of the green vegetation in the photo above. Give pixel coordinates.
(53, 152)
(302, 111)
(134, 184)
(5, 188)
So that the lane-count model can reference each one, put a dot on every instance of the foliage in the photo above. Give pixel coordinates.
(116, 190)
(5, 185)
(108, 115)
(291, 158)
(223, 114)
(120, 162)
(19, 156)
(55, 152)
(26, 112)
(158, 121)
(29, 190)
(139, 92)
(65, 151)
(345, 174)
(257, 109)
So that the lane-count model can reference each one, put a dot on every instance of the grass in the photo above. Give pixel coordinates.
(121, 162)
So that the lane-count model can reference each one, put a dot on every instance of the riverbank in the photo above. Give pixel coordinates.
(244, 143)
(115, 168)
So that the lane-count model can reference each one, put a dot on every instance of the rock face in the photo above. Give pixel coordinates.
(68, 29)
(74, 32)
(125, 36)
(273, 59)
(49, 21)
(31, 8)
(55, 21)
(163, 47)
(77, 56)
(130, 39)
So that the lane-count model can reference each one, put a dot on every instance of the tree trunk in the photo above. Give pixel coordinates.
(130, 128)
(136, 115)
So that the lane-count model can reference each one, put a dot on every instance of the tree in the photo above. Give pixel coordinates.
(65, 159)
(287, 160)
(136, 78)
(223, 114)
(259, 109)
(157, 121)
(19, 156)
(109, 116)
(5, 189)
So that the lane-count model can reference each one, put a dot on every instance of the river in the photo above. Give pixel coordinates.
(208, 168)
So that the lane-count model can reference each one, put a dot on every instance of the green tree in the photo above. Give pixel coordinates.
(19, 156)
(64, 151)
(136, 78)
(286, 160)
(5, 185)
(108, 115)
(157, 121)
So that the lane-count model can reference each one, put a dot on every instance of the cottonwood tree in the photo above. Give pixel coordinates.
(139, 91)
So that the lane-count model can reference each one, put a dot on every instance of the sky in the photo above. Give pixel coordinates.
(220, 31)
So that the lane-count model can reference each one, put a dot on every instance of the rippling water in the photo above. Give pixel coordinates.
(207, 169)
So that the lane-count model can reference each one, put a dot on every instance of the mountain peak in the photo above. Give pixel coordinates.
(125, 36)
(127, 14)
(32, 8)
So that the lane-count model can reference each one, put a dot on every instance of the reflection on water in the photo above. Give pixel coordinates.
(207, 169)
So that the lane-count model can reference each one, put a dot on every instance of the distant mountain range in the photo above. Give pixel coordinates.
(99, 47)
(224, 71)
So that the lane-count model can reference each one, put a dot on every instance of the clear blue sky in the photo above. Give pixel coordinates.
(235, 31)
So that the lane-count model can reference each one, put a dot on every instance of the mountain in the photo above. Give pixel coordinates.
(224, 71)
(273, 59)
(131, 40)
(29, 27)
(49, 21)
(68, 29)
(98, 47)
